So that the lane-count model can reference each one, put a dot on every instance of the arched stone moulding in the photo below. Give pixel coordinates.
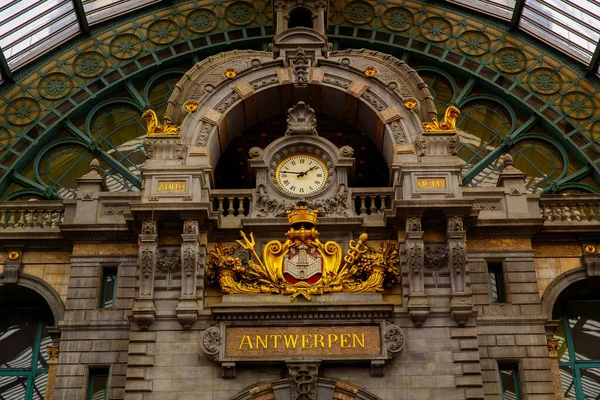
(43, 288)
(263, 87)
(558, 285)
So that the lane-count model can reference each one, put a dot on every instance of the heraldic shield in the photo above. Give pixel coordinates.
(302, 265)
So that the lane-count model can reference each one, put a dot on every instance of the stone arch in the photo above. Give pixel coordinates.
(212, 108)
(45, 290)
(558, 285)
(328, 389)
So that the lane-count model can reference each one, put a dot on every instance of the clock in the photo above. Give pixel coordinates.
(301, 174)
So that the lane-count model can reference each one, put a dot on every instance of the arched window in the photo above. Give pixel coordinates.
(300, 17)
(23, 344)
(578, 309)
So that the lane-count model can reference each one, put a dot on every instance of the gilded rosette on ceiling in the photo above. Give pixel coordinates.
(302, 264)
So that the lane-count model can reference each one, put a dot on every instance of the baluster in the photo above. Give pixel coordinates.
(220, 209)
(547, 213)
(240, 209)
(11, 219)
(2, 219)
(594, 217)
(45, 218)
(363, 207)
(230, 209)
(22, 219)
(373, 208)
(566, 214)
(576, 211)
(556, 213)
(37, 218)
(55, 218)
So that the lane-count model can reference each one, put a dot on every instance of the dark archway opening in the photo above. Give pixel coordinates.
(300, 17)
(232, 171)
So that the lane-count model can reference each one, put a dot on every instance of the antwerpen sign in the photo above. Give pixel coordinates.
(301, 341)
(228, 344)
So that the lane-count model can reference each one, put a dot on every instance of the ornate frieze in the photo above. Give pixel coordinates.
(301, 120)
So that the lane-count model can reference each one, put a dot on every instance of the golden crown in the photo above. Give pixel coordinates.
(302, 215)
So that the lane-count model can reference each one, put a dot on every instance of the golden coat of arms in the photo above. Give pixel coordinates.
(302, 264)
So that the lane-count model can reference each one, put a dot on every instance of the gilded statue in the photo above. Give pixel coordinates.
(447, 125)
(303, 265)
(153, 128)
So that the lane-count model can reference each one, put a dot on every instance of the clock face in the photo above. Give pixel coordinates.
(301, 174)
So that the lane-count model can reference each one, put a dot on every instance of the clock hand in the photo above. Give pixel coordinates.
(292, 172)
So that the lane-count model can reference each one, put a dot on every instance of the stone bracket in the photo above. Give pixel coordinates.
(303, 380)
(13, 264)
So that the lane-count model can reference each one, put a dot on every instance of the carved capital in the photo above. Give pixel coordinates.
(393, 338)
(211, 342)
(52, 354)
(553, 346)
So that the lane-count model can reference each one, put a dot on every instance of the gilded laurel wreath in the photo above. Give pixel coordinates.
(302, 264)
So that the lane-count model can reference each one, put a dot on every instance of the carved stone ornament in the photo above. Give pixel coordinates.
(421, 145)
(181, 149)
(301, 120)
(447, 125)
(190, 227)
(459, 257)
(415, 256)
(394, 339)
(168, 262)
(255, 152)
(146, 261)
(454, 145)
(413, 224)
(211, 342)
(282, 270)
(346, 151)
(148, 147)
(300, 67)
(436, 258)
(189, 261)
(52, 353)
(553, 346)
(455, 224)
(336, 205)
(303, 381)
(148, 228)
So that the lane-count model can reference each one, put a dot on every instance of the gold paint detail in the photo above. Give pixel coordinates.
(431, 183)
(288, 341)
(301, 174)
(284, 75)
(171, 187)
(590, 249)
(191, 106)
(410, 103)
(498, 244)
(13, 255)
(361, 269)
(447, 125)
(154, 129)
(316, 75)
(370, 72)
(230, 73)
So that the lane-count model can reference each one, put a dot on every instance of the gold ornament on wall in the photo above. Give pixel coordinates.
(154, 129)
(410, 103)
(191, 106)
(13, 255)
(447, 125)
(370, 72)
(590, 249)
(302, 265)
(230, 73)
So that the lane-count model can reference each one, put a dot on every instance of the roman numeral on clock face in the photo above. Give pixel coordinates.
(301, 174)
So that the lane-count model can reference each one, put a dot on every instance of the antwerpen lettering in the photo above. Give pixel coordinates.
(302, 341)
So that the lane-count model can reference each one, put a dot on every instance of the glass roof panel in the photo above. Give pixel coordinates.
(101, 10)
(29, 28)
(573, 27)
(498, 8)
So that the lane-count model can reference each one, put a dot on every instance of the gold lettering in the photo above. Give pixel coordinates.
(355, 339)
(246, 340)
(175, 186)
(331, 338)
(344, 340)
(319, 339)
(259, 341)
(275, 340)
(290, 341)
(305, 344)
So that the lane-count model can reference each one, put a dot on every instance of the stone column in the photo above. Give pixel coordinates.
(553, 345)
(52, 365)
(461, 304)
(321, 10)
(418, 306)
(280, 23)
(143, 307)
(191, 256)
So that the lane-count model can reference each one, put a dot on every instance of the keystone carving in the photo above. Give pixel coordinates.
(303, 381)
(301, 120)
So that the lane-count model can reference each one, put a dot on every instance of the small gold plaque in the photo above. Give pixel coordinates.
(590, 249)
(431, 183)
(13, 255)
(172, 187)
(301, 341)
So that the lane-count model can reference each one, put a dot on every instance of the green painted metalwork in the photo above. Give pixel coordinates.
(512, 375)
(46, 101)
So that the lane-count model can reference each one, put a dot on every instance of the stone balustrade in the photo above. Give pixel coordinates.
(557, 209)
(371, 201)
(231, 202)
(31, 215)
